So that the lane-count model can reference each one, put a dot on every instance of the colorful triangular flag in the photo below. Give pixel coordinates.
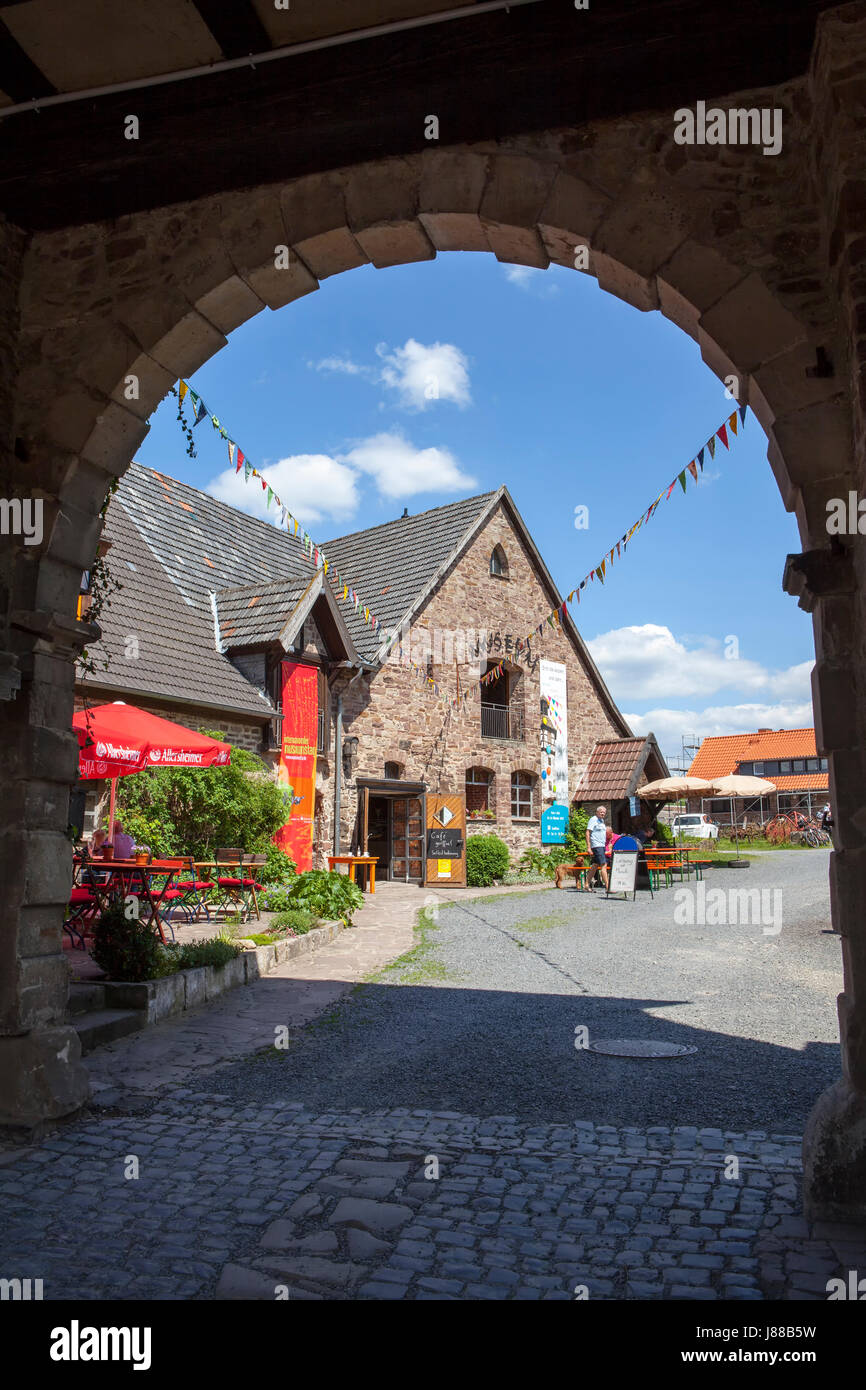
(693, 469)
(701, 459)
(723, 435)
(711, 445)
(681, 479)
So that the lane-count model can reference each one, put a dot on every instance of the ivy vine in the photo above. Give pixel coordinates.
(184, 423)
(102, 585)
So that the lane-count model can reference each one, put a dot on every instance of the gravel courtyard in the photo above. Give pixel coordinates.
(481, 1018)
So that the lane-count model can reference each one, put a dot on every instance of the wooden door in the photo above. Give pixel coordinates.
(407, 839)
(446, 815)
(362, 822)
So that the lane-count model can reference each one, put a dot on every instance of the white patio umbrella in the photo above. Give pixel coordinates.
(737, 785)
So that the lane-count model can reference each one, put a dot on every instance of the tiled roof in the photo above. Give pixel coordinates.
(258, 612)
(720, 756)
(802, 782)
(156, 643)
(203, 544)
(392, 565)
(615, 767)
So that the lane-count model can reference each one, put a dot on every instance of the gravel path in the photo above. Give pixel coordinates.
(482, 1018)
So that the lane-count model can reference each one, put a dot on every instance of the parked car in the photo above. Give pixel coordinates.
(694, 827)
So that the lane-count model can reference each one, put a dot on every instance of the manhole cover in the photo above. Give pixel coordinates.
(637, 1047)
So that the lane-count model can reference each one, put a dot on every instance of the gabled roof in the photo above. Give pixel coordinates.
(156, 643)
(615, 767)
(395, 564)
(257, 613)
(721, 754)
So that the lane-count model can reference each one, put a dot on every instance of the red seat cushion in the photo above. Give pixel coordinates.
(230, 882)
(169, 893)
(188, 886)
(81, 895)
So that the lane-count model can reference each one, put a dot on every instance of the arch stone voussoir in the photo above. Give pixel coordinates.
(449, 197)
(314, 212)
(515, 194)
(569, 218)
(690, 281)
(751, 325)
(381, 207)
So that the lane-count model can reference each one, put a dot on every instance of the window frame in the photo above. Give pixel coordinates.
(518, 787)
(489, 785)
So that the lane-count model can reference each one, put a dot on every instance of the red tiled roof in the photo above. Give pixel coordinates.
(802, 782)
(616, 766)
(720, 756)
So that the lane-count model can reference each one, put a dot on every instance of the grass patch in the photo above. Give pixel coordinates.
(534, 924)
(417, 965)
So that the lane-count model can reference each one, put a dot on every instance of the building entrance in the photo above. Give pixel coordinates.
(395, 834)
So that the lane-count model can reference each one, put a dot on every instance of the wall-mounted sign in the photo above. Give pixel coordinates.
(554, 824)
(444, 844)
(444, 870)
(297, 765)
(634, 806)
(554, 732)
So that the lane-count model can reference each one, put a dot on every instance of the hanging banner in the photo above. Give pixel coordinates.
(297, 766)
(554, 732)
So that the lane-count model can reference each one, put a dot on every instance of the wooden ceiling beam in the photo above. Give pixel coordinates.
(235, 26)
(20, 78)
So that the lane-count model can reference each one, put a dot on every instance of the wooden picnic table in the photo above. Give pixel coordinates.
(367, 861)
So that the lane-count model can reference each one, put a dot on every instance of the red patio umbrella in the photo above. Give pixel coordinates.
(119, 739)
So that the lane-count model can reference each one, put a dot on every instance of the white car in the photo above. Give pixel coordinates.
(694, 828)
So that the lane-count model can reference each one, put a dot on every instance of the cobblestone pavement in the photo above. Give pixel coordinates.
(198, 1178)
(270, 1201)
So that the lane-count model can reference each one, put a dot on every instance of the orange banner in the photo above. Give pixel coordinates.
(300, 703)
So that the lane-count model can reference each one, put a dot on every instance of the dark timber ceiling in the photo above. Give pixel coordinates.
(487, 76)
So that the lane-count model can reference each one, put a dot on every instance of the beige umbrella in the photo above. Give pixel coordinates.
(737, 785)
(676, 788)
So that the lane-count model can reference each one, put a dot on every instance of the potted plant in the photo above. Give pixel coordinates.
(141, 854)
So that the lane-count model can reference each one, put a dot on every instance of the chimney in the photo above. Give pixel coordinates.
(405, 512)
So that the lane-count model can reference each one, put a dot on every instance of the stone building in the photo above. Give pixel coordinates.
(786, 757)
(211, 603)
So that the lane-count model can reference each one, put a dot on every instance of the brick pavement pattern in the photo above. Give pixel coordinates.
(270, 1201)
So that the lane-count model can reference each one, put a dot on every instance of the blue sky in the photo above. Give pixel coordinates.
(570, 397)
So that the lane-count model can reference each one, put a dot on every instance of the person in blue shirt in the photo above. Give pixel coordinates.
(596, 839)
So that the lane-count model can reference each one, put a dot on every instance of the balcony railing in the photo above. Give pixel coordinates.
(502, 721)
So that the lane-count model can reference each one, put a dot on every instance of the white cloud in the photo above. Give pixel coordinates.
(339, 364)
(402, 470)
(313, 486)
(671, 725)
(422, 374)
(647, 662)
(528, 277)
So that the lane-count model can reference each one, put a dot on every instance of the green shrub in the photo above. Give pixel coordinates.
(178, 810)
(575, 835)
(190, 954)
(295, 919)
(276, 899)
(324, 894)
(486, 859)
(129, 949)
(280, 868)
(663, 834)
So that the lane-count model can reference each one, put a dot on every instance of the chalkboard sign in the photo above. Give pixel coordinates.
(444, 844)
(622, 872)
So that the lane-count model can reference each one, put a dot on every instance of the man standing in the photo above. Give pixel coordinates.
(596, 839)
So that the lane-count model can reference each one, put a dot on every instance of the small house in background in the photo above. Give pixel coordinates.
(617, 769)
(787, 757)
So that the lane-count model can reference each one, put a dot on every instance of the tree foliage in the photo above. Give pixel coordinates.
(181, 810)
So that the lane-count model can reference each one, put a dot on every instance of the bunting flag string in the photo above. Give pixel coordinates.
(343, 590)
(553, 619)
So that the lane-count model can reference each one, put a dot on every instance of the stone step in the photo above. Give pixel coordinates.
(101, 1026)
(84, 997)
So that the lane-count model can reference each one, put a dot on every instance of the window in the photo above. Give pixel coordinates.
(785, 766)
(799, 765)
(811, 764)
(393, 771)
(502, 706)
(758, 769)
(824, 765)
(479, 789)
(521, 795)
(498, 563)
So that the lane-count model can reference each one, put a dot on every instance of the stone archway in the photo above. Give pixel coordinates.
(760, 269)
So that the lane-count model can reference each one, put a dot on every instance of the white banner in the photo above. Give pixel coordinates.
(554, 732)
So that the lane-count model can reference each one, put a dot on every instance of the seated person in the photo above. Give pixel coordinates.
(97, 843)
(123, 843)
